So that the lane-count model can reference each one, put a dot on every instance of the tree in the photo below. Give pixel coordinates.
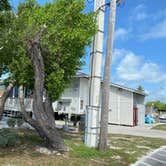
(5, 20)
(140, 88)
(4, 5)
(157, 105)
(46, 44)
(106, 80)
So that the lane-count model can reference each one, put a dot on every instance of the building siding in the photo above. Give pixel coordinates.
(139, 103)
(121, 109)
(71, 93)
(122, 102)
(84, 95)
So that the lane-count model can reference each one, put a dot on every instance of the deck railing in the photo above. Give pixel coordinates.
(13, 104)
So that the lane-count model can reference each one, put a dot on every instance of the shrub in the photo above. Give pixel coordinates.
(11, 122)
(20, 122)
(8, 138)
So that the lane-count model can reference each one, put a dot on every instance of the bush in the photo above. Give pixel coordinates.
(8, 138)
(20, 122)
(11, 122)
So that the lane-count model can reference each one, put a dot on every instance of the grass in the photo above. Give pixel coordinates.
(123, 150)
(160, 127)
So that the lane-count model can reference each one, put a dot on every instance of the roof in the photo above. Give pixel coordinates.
(129, 89)
(83, 75)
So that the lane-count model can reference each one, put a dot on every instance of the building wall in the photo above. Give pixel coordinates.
(83, 94)
(139, 103)
(121, 102)
(121, 106)
(69, 101)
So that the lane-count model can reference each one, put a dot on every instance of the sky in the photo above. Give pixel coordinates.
(139, 52)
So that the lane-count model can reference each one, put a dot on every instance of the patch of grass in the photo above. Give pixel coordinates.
(36, 154)
(78, 149)
(31, 138)
(123, 150)
(8, 138)
(133, 147)
(160, 127)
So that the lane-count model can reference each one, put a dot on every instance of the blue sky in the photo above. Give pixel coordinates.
(139, 47)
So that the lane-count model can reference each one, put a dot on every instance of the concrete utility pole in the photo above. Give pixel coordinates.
(93, 110)
(106, 81)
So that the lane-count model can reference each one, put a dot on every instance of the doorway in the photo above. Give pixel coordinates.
(135, 116)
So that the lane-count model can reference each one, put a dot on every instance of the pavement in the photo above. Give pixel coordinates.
(155, 158)
(144, 131)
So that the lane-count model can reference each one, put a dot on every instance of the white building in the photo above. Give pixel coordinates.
(126, 104)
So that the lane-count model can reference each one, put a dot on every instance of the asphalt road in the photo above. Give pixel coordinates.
(144, 131)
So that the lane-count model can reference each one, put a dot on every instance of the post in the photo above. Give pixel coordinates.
(106, 81)
(93, 109)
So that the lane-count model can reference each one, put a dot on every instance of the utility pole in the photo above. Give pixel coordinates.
(106, 81)
(93, 110)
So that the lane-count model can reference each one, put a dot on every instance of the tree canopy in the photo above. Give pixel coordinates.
(4, 5)
(140, 88)
(68, 31)
(157, 105)
(41, 47)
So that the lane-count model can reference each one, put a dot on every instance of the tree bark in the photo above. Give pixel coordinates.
(106, 81)
(44, 122)
(4, 97)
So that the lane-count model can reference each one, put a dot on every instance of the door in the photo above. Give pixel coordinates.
(135, 116)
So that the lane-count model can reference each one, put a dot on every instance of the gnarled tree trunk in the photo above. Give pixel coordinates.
(106, 80)
(4, 97)
(44, 122)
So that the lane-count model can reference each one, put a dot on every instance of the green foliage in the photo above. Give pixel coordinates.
(157, 104)
(5, 21)
(82, 151)
(4, 5)
(20, 122)
(31, 139)
(8, 138)
(160, 127)
(11, 122)
(140, 88)
(62, 46)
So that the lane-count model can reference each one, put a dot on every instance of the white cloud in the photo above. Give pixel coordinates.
(135, 68)
(118, 53)
(121, 33)
(141, 16)
(139, 13)
(157, 94)
(157, 31)
(128, 68)
(161, 14)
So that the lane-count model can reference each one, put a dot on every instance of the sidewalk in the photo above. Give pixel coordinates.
(144, 131)
(155, 158)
